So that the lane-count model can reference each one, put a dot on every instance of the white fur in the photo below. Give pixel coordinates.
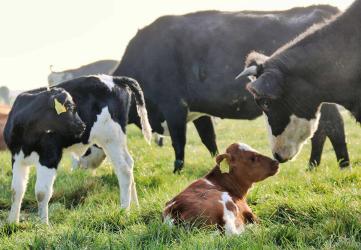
(45, 178)
(229, 217)
(107, 80)
(146, 128)
(109, 135)
(43, 188)
(288, 144)
(208, 182)
(246, 147)
(19, 182)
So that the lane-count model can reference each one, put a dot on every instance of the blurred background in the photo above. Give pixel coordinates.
(67, 34)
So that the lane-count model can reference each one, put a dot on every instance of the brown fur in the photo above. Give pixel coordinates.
(200, 201)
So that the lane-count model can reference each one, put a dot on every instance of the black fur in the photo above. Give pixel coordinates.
(188, 63)
(33, 124)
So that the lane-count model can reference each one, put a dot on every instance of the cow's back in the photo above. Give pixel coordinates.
(195, 57)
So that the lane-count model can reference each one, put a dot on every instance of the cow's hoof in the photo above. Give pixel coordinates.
(160, 142)
(178, 166)
(312, 166)
(344, 164)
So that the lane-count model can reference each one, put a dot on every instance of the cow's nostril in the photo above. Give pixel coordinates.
(279, 158)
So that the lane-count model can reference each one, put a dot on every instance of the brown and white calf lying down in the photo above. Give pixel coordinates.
(219, 198)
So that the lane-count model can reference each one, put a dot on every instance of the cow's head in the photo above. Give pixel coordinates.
(61, 116)
(246, 164)
(289, 102)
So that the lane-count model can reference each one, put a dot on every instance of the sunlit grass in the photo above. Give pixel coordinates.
(320, 209)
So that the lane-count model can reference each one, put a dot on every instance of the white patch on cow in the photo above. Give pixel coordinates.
(19, 182)
(288, 144)
(45, 178)
(146, 128)
(245, 147)
(208, 182)
(107, 80)
(109, 135)
(229, 217)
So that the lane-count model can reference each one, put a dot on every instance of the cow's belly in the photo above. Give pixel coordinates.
(190, 117)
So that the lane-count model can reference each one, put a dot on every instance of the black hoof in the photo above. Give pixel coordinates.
(344, 164)
(178, 166)
(160, 142)
(312, 166)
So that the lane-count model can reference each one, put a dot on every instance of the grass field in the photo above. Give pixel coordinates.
(297, 208)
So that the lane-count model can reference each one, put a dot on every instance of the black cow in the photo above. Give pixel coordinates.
(320, 66)
(73, 115)
(187, 64)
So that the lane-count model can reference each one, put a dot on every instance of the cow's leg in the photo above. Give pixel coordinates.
(318, 140)
(18, 188)
(177, 123)
(133, 191)
(123, 171)
(45, 178)
(205, 128)
(335, 131)
(340, 147)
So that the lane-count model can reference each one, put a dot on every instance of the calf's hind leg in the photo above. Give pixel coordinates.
(108, 134)
(123, 171)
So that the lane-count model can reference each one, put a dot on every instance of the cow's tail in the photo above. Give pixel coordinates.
(133, 85)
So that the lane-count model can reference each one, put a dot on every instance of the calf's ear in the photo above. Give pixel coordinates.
(223, 166)
(221, 157)
(59, 107)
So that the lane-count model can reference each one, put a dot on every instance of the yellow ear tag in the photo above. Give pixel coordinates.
(59, 108)
(224, 167)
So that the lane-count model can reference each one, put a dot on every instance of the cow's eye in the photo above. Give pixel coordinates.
(254, 158)
(264, 103)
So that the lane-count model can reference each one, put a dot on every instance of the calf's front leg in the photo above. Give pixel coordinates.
(18, 188)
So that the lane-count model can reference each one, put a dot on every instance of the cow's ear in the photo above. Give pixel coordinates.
(224, 165)
(268, 85)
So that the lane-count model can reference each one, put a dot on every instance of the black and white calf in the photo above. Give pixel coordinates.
(73, 115)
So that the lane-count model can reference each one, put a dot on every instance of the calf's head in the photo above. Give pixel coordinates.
(61, 115)
(246, 164)
(289, 102)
